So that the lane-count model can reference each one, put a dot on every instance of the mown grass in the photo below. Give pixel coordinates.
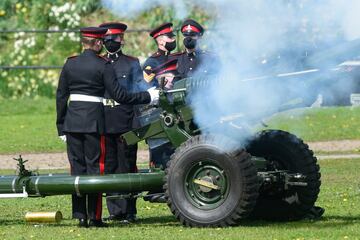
(320, 124)
(29, 125)
(339, 195)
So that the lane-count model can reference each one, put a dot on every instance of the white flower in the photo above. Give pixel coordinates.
(66, 6)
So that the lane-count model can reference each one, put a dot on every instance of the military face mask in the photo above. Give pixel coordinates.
(112, 46)
(190, 43)
(170, 46)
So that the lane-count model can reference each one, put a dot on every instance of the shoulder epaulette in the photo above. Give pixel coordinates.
(72, 57)
(176, 54)
(103, 57)
(156, 54)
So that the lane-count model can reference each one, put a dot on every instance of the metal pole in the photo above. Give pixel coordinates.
(45, 185)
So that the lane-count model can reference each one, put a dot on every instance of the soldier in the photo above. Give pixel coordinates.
(160, 151)
(167, 72)
(165, 40)
(83, 81)
(119, 118)
(193, 58)
(160, 148)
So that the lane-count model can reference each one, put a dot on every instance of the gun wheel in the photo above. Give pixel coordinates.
(207, 186)
(285, 151)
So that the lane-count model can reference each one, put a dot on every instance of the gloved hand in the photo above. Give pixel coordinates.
(63, 138)
(154, 95)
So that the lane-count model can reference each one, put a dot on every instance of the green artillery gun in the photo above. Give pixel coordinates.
(210, 180)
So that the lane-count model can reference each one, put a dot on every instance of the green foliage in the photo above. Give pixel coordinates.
(24, 49)
(339, 196)
(51, 49)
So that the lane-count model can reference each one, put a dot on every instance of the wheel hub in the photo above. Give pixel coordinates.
(206, 185)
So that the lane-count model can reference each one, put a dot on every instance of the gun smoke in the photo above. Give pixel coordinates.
(258, 42)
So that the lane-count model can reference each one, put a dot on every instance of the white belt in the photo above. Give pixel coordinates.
(110, 102)
(85, 98)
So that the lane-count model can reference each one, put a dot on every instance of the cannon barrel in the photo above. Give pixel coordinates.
(45, 185)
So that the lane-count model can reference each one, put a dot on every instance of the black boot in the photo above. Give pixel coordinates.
(131, 217)
(83, 223)
(119, 217)
(97, 223)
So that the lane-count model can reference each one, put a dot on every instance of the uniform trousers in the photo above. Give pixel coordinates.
(86, 153)
(120, 158)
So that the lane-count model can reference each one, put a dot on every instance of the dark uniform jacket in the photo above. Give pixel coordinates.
(120, 118)
(158, 58)
(88, 74)
(202, 61)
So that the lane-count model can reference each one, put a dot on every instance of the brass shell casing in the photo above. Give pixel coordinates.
(43, 217)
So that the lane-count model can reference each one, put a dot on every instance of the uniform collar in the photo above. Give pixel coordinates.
(192, 54)
(115, 56)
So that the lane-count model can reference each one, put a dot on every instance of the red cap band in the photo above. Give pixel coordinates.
(111, 31)
(190, 28)
(170, 68)
(92, 35)
(164, 31)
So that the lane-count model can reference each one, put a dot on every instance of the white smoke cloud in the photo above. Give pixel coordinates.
(277, 33)
(261, 37)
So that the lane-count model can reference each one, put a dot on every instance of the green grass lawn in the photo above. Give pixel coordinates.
(339, 195)
(320, 124)
(29, 125)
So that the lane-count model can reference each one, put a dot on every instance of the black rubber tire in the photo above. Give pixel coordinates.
(287, 152)
(242, 188)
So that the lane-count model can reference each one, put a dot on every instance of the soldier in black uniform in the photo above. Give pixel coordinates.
(83, 81)
(166, 42)
(119, 118)
(160, 150)
(193, 59)
(167, 72)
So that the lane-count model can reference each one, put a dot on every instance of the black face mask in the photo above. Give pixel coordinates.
(170, 46)
(112, 46)
(189, 43)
